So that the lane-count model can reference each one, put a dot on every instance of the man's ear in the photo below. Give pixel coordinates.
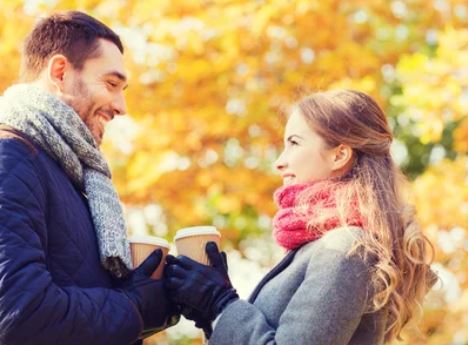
(343, 157)
(57, 69)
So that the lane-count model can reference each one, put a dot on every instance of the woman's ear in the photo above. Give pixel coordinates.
(343, 157)
(57, 69)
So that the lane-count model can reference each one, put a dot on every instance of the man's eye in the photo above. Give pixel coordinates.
(112, 84)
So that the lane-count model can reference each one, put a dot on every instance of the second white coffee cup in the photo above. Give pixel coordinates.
(192, 241)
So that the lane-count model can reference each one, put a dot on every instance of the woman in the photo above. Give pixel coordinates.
(357, 266)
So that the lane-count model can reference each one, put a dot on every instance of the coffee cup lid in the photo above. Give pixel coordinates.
(196, 230)
(157, 241)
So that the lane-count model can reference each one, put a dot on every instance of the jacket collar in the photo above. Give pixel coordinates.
(274, 272)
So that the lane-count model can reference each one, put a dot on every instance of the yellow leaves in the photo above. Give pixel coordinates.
(460, 137)
(427, 83)
(366, 84)
(229, 44)
(460, 309)
(204, 179)
(303, 6)
(10, 30)
(146, 169)
(14, 25)
(462, 306)
(452, 43)
(431, 128)
(434, 89)
(262, 19)
(194, 70)
(229, 204)
(441, 194)
(411, 63)
(183, 8)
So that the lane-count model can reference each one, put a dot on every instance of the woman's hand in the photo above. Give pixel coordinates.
(206, 289)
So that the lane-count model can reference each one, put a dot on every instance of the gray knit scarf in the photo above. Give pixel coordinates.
(58, 130)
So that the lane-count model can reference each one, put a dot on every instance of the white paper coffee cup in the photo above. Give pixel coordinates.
(142, 246)
(192, 241)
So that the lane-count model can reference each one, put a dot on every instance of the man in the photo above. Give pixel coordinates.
(65, 269)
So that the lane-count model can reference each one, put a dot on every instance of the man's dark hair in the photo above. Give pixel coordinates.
(74, 34)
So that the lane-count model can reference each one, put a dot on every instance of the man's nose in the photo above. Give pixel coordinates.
(119, 106)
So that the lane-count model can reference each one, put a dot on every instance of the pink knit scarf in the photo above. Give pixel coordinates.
(307, 211)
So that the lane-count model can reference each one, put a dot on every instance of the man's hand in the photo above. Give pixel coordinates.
(149, 295)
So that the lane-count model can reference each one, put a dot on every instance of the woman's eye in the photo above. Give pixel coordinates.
(293, 142)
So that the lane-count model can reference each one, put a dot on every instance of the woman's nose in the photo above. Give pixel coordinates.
(280, 164)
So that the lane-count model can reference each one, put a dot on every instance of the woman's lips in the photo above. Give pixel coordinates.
(287, 178)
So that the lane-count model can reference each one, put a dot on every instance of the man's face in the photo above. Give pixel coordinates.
(96, 91)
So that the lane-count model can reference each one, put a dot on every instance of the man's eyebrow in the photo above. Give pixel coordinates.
(118, 75)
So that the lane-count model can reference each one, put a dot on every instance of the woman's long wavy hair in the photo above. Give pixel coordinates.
(401, 253)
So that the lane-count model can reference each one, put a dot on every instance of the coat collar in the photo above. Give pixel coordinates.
(274, 272)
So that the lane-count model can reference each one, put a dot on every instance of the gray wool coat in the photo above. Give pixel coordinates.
(317, 295)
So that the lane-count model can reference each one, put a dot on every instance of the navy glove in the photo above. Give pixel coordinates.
(205, 289)
(148, 295)
(194, 315)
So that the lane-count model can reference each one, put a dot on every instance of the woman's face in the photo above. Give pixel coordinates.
(305, 157)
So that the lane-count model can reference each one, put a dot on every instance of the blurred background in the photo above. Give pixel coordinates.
(208, 83)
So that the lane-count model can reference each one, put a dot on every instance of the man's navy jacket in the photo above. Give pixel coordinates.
(53, 289)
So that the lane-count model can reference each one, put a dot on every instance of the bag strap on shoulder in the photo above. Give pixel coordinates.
(7, 132)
